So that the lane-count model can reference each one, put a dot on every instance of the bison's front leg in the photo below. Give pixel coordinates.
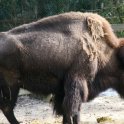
(76, 118)
(76, 92)
(71, 120)
(7, 103)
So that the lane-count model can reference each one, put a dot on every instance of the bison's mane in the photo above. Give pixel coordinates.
(98, 26)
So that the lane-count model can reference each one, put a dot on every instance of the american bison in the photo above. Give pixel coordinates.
(74, 56)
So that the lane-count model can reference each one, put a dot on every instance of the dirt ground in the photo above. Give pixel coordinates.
(31, 110)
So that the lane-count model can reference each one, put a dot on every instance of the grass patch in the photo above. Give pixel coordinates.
(120, 33)
(104, 119)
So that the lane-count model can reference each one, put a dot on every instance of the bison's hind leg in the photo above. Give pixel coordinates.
(8, 101)
(76, 92)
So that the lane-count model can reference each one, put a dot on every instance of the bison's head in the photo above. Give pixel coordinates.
(120, 56)
(120, 52)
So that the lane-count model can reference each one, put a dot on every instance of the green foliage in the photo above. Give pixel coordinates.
(120, 33)
(16, 12)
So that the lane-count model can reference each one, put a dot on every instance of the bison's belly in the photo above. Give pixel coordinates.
(41, 84)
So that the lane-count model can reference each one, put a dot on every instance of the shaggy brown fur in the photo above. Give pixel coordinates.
(102, 28)
(71, 55)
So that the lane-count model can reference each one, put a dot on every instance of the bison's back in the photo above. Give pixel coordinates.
(53, 45)
(58, 43)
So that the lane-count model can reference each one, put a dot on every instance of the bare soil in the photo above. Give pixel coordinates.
(31, 110)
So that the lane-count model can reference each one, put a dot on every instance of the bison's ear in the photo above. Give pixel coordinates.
(120, 55)
(95, 28)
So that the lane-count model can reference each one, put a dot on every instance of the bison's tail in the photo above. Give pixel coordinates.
(100, 27)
